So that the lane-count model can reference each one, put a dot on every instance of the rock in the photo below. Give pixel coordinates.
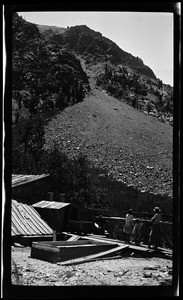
(150, 168)
(28, 270)
(151, 268)
(147, 275)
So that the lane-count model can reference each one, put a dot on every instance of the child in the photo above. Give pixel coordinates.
(137, 231)
(128, 226)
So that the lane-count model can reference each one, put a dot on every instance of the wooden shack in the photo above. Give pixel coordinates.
(32, 188)
(56, 214)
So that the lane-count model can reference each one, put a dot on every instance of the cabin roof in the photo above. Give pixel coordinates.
(25, 220)
(20, 179)
(50, 204)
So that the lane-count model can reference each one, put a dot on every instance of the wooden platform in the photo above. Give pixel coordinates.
(80, 249)
(59, 251)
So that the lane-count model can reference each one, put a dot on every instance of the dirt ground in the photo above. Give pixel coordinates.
(123, 271)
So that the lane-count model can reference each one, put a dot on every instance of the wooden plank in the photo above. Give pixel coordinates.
(101, 240)
(68, 243)
(108, 258)
(74, 237)
(105, 238)
(134, 247)
(45, 247)
(92, 257)
(140, 248)
(159, 248)
(169, 251)
(141, 220)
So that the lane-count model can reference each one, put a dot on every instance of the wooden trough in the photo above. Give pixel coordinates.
(59, 251)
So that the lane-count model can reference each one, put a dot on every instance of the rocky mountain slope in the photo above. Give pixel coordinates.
(89, 82)
(119, 73)
(95, 47)
(134, 148)
(47, 74)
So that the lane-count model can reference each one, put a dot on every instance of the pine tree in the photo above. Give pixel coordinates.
(149, 107)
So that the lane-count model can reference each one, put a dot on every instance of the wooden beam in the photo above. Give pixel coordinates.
(108, 258)
(54, 235)
(103, 240)
(92, 257)
(142, 248)
(73, 238)
(120, 243)
(141, 220)
(45, 247)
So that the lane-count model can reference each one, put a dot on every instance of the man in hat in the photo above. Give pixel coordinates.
(154, 238)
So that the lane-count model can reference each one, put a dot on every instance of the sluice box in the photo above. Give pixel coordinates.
(58, 251)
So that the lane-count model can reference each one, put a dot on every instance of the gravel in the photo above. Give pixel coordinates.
(124, 271)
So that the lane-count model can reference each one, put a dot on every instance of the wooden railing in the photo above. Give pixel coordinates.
(114, 226)
(113, 221)
(89, 213)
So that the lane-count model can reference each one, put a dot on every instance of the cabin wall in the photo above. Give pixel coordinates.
(57, 219)
(34, 191)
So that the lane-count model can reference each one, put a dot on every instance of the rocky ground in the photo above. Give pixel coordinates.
(132, 146)
(123, 271)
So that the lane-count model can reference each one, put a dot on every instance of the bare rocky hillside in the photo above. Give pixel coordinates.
(135, 148)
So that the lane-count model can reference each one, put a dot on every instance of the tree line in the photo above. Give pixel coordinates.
(44, 76)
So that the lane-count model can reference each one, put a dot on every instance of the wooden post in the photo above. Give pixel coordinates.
(62, 197)
(54, 235)
(50, 196)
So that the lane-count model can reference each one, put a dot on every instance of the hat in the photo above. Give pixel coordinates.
(157, 209)
(130, 211)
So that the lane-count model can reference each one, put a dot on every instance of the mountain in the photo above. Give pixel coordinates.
(45, 76)
(93, 46)
(94, 99)
(47, 64)
(117, 72)
(50, 29)
(133, 147)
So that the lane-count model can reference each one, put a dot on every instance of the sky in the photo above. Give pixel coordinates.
(144, 34)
